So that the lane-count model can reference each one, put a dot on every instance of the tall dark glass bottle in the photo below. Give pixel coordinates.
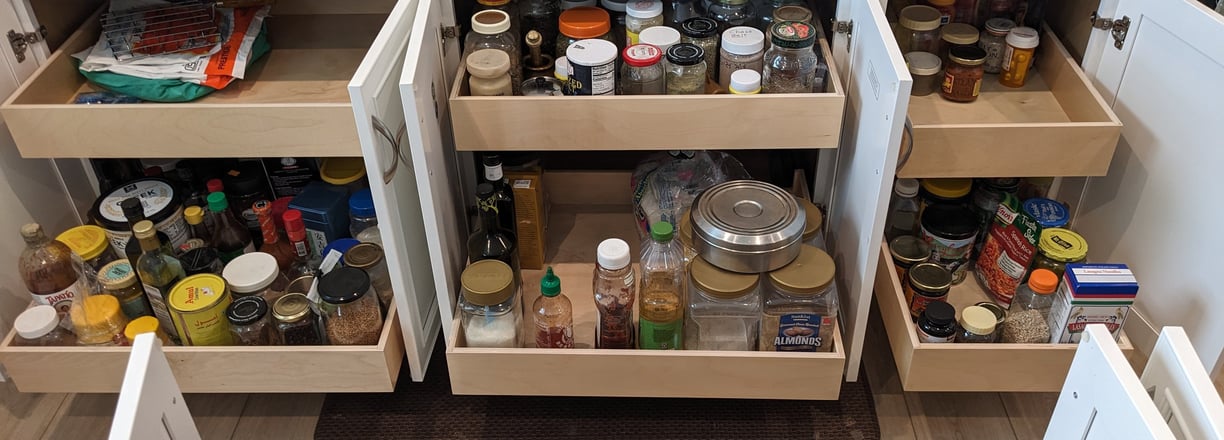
(491, 241)
(133, 210)
(231, 237)
(494, 175)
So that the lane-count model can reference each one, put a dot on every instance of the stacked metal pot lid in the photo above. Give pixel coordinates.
(747, 226)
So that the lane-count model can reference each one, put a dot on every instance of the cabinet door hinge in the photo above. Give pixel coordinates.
(449, 32)
(1118, 27)
(20, 41)
(843, 27)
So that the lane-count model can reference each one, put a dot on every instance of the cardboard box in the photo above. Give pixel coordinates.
(1091, 294)
(531, 216)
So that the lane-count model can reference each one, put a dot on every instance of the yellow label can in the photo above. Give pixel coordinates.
(197, 307)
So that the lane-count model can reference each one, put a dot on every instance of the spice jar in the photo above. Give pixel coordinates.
(250, 323)
(490, 73)
(119, 280)
(1056, 248)
(490, 305)
(642, 71)
(582, 23)
(906, 251)
(937, 324)
(790, 64)
(704, 33)
(295, 321)
(251, 274)
(369, 257)
(97, 320)
(800, 305)
(742, 48)
(928, 283)
(724, 310)
(925, 67)
(91, 243)
(1027, 322)
(946, 8)
(963, 74)
(38, 326)
(993, 40)
(145, 324)
(662, 37)
(491, 29)
(918, 29)
(640, 15)
(977, 325)
(1000, 317)
(956, 35)
(350, 308)
(951, 231)
(1018, 57)
(731, 13)
(1048, 213)
(592, 67)
(686, 70)
(745, 82)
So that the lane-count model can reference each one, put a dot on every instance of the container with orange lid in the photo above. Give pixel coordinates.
(1026, 319)
(97, 320)
(91, 244)
(583, 23)
(197, 306)
(348, 172)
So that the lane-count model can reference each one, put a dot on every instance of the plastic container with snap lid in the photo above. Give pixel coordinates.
(662, 37)
(582, 23)
(90, 242)
(592, 67)
(640, 15)
(925, 67)
(724, 309)
(918, 29)
(1018, 57)
(162, 205)
(348, 172)
(800, 306)
(38, 326)
(251, 274)
(977, 325)
(742, 47)
(745, 82)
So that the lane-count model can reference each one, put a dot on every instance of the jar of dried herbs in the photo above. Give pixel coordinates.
(296, 323)
(250, 322)
(350, 308)
(686, 70)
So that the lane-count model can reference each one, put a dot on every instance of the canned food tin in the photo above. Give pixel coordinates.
(197, 307)
(928, 283)
(908, 250)
(951, 231)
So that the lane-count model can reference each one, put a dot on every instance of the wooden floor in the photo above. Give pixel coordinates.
(979, 416)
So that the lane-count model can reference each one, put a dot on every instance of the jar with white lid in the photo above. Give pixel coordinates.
(742, 47)
(1018, 57)
(724, 310)
(993, 40)
(745, 82)
(561, 73)
(39, 326)
(252, 275)
(592, 67)
(925, 67)
(662, 37)
(490, 73)
(489, 303)
(491, 30)
(640, 15)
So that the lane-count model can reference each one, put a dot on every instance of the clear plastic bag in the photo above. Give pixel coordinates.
(665, 184)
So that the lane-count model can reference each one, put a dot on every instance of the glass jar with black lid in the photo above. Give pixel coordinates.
(686, 70)
(350, 309)
(937, 324)
(250, 322)
(703, 32)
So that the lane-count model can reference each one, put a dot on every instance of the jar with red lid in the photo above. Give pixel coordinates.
(963, 74)
(641, 72)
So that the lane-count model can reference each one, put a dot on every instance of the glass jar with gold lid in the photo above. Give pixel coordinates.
(685, 227)
(369, 257)
(800, 304)
(118, 279)
(724, 310)
(490, 305)
(296, 323)
(1057, 247)
(813, 222)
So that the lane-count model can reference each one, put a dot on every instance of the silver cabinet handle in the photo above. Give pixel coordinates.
(907, 151)
(397, 153)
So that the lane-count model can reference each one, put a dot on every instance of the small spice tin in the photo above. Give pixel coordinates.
(197, 307)
(928, 283)
(908, 250)
(747, 226)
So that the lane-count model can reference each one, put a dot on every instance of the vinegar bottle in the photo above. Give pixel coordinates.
(615, 292)
(554, 315)
(661, 313)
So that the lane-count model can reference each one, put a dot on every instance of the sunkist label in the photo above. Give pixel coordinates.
(799, 332)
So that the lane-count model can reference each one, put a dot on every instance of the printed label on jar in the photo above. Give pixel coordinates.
(1007, 56)
(593, 80)
(919, 302)
(924, 337)
(631, 37)
(493, 173)
(61, 301)
(951, 254)
(798, 332)
(158, 302)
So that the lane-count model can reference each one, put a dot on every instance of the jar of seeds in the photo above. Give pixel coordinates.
(350, 309)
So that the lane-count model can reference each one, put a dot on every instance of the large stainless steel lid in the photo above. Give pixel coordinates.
(747, 216)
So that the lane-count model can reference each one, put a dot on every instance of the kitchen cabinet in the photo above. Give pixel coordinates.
(303, 100)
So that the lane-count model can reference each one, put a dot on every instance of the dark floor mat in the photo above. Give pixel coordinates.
(428, 410)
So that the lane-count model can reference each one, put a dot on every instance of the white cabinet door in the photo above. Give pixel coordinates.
(877, 98)
(381, 128)
(425, 84)
(1157, 208)
(1181, 388)
(150, 405)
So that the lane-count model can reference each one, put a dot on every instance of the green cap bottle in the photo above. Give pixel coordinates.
(550, 285)
(217, 202)
(661, 232)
